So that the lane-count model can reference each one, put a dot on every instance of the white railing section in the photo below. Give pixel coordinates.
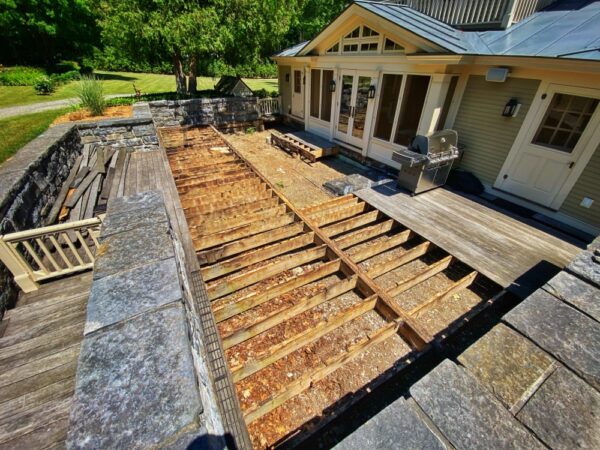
(269, 106)
(489, 13)
(50, 252)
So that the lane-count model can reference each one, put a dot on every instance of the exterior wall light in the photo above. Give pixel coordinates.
(511, 109)
(332, 86)
(287, 77)
(372, 91)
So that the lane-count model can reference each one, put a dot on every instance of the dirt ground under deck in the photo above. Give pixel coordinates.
(300, 182)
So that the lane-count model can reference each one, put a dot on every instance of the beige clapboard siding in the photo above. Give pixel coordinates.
(588, 185)
(487, 135)
(285, 88)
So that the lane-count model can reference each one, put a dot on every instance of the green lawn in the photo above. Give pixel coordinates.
(117, 83)
(15, 132)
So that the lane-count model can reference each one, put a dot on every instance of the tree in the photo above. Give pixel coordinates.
(45, 31)
(186, 30)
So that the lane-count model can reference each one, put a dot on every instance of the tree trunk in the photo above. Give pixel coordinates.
(192, 82)
(179, 73)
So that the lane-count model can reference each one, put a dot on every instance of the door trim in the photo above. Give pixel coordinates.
(539, 106)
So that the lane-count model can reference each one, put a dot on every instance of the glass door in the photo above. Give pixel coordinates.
(354, 112)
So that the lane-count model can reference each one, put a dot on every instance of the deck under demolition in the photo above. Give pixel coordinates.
(314, 306)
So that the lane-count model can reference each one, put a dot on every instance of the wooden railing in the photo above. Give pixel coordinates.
(269, 106)
(477, 13)
(44, 253)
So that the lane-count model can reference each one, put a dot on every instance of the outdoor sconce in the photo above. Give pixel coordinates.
(511, 109)
(332, 86)
(372, 91)
(287, 77)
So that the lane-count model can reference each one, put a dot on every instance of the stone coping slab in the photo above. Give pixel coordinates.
(587, 266)
(567, 334)
(576, 292)
(132, 292)
(564, 413)
(136, 384)
(466, 413)
(396, 427)
(147, 199)
(507, 364)
(130, 220)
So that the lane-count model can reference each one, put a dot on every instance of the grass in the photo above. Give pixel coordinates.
(116, 83)
(15, 132)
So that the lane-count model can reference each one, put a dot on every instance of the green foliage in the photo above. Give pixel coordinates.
(66, 66)
(45, 86)
(91, 94)
(41, 32)
(62, 78)
(250, 130)
(21, 76)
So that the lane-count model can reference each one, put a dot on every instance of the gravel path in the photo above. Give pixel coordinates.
(20, 110)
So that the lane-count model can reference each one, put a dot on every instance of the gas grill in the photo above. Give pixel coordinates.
(427, 161)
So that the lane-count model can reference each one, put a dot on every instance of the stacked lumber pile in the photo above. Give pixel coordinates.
(97, 175)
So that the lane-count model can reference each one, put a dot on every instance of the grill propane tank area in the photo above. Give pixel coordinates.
(427, 161)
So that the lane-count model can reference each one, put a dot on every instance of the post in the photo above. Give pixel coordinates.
(22, 275)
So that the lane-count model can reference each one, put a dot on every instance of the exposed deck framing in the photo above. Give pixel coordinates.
(249, 241)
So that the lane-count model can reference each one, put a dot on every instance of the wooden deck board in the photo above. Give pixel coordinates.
(38, 360)
(499, 246)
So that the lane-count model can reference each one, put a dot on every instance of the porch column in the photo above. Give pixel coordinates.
(438, 88)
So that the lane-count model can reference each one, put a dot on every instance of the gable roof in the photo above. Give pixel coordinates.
(227, 84)
(554, 33)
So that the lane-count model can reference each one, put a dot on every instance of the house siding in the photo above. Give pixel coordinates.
(487, 136)
(588, 185)
(285, 88)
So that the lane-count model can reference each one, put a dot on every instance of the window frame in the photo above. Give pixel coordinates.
(361, 40)
(392, 52)
(405, 75)
(299, 83)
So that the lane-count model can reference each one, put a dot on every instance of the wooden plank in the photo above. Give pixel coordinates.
(247, 208)
(253, 276)
(226, 223)
(253, 257)
(93, 197)
(421, 276)
(458, 286)
(356, 237)
(394, 263)
(233, 248)
(279, 317)
(223, 312)
(284, 348)
(62, 195)
(380, 247)
(348, 198)
(350, 224)
(242, 232)
(306, 381)
(334, 215)
(227, 202)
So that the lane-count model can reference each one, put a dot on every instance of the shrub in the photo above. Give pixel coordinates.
(65, 77)
(21, 76)
(45, 86)
(90, 92)
(66, 66)
(261, 93)
(274, 94)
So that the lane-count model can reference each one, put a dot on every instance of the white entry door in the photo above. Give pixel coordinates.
(298, 93)
(545, 161)
(354, 108)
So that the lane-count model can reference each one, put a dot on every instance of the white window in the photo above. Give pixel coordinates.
(362, 39)
(390, 46)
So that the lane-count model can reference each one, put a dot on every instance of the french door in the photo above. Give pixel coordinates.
(354, 107)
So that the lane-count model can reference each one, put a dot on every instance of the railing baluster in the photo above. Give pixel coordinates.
(74, 251)
(35, 256)
(59, 250)
(84, 245)
(46, 252)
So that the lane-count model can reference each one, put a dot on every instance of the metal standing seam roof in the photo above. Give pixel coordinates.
(568, 33)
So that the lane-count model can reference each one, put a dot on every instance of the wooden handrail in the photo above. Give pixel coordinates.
(49, 252)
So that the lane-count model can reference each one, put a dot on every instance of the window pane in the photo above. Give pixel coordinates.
(334, 49)
(297, 81)
(368, 47)
(315, 89)
(351, 47)
(360, 110)
(367, 32)
(355, 33)
(411, 109)
(564, 122)
(388, 99)
(346, 98)
(326, 95)
(391, 46)
(447, 103)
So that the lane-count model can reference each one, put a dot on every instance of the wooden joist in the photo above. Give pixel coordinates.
(258, 298)
(279, 317)
(226, 223)
(421, 276)
(351, 224)
(334, 215)
(372, 250)
(335, 202)
(456, 287)
(394, 263)
(363, 235)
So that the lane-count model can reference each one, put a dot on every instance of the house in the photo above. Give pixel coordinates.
(524, 99)
(233, 86)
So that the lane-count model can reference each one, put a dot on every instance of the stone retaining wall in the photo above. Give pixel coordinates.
(138, 372)
(29, 184)
(220, 112)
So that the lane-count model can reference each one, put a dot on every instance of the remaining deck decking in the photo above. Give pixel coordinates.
(39, 347)
(507, 250)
